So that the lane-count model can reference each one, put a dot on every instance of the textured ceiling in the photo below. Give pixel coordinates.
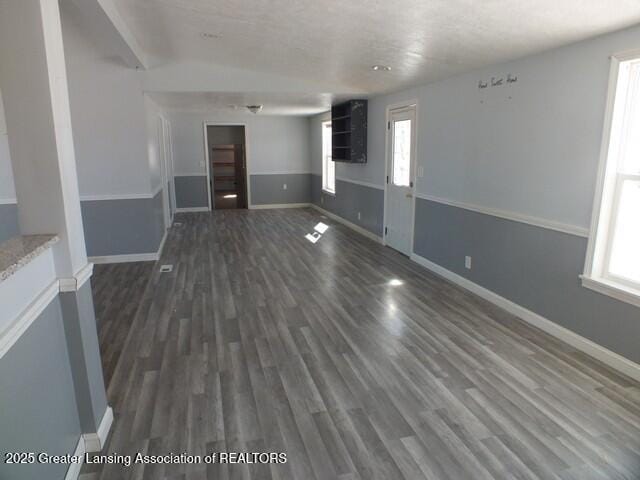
(334, 43)
(273, 103)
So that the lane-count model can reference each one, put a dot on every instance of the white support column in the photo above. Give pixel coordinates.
(36, 99)
(33, 80)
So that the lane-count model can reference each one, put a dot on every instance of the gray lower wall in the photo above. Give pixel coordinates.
(123, 226)
(8, 221)
(84, 351)
(191, 191)
(534, 267)
(37, 401)
(351, 199)
(268, 189)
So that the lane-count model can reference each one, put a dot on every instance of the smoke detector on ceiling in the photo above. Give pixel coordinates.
(254, 108)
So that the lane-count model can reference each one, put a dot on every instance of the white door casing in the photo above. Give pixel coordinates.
(162, 153)
(401, 164)
(169, 168)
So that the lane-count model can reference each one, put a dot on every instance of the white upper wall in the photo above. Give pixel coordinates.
(531, 147)
(7, 188)
(275, 144)
(107, 116)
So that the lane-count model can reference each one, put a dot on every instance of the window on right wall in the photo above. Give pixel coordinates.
(328, 165)
(613, 258)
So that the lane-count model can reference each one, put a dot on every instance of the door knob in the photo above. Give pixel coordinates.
(409, 195)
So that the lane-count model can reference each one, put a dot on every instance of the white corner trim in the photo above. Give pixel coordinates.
(612, 289)
(116, 196)
(94, 442)
(267, 206)
(585, 345)
(192, 210)
(347, 223)
(11, 335)
(510, 215)
(74, 283)
(358, 182)
(8, 201)
(73, 472)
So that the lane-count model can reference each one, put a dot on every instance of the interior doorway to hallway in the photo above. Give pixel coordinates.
(226, 166)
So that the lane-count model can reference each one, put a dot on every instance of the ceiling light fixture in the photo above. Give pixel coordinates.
(254, 108)
(381, 68)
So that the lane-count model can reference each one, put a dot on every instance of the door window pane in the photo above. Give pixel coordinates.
(625, 249)
(402, 153)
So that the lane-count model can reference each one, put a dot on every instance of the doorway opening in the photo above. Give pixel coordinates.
(399, 201)
(227, 166)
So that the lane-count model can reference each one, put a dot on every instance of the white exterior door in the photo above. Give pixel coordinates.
(400, 174)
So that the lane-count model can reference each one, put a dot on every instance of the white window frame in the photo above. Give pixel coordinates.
(596, 274)
(326, 158)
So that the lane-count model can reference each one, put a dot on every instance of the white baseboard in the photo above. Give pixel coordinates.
(73, 472)
(347, 223)
(192, 209)
(267, 206)
(94, 442)
(612, 359)
(135, 257)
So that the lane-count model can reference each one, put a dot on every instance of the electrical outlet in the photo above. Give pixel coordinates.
(467, 262)
(359, 216)
(284, 186)
(420, 171)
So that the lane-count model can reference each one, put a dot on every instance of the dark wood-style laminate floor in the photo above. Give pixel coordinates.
(353, 360)
(117, 291)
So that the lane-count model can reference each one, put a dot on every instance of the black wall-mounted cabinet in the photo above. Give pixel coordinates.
(349, 132)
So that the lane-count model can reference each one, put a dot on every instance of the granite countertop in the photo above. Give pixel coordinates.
(16, 252)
